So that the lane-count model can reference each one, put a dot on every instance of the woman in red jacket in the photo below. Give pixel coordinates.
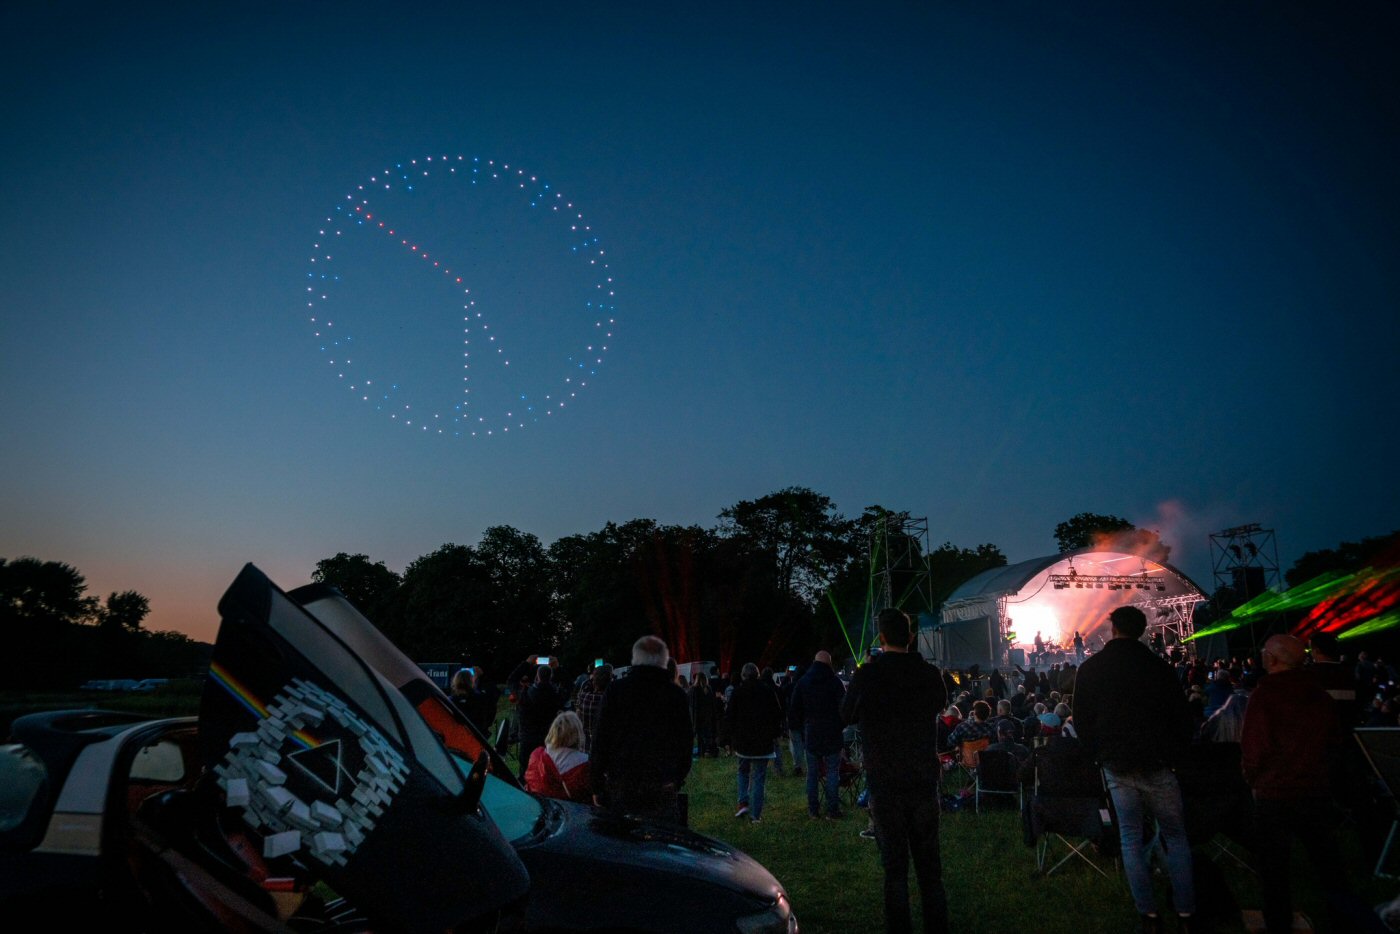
(559, 768)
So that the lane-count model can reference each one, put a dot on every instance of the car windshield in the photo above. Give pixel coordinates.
(517, 813)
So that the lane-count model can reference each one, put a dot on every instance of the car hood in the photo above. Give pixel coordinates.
(600, 868)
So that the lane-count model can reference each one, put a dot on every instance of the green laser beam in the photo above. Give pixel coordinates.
(1384, 621)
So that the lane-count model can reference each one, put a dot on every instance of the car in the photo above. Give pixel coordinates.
(192, 822)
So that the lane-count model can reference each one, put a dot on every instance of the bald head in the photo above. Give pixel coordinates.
(1282, 653)
(824, 657)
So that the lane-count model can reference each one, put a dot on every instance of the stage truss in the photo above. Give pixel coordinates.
(1168, 617)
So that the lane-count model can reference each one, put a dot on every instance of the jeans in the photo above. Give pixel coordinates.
(1136, 796)
(798, 748)
(759, 768)
(832, 764)
(906, 821)
(1311, 821)
(778, 757)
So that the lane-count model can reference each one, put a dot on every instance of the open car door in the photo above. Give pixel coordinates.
(330, 764)
(443, 717)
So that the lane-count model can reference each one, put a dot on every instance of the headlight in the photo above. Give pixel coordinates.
(778, 919)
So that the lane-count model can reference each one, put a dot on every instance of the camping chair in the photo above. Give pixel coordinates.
(1069, 805)
(1381, 746)
(968, 752)
(996, 775)
(1216, 800)
(852, 779)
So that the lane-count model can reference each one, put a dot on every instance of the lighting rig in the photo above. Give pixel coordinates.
(1076, 581)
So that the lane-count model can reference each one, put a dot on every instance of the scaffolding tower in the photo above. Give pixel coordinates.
(1245, 559)
(899, 571)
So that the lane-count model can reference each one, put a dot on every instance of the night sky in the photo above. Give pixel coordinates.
(995, 264)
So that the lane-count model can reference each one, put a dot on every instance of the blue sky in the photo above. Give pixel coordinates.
(993, 264)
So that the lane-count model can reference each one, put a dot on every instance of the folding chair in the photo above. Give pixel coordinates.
(851, 767)
(1069, 804)
(1216, 800)
(1381, 746)
(968, 752)
(996, 775)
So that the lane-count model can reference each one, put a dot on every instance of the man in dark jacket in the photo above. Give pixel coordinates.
(1131, 715)
(538, 707)
(895, 699)
(755, 719)
(816, 704)
(641, 753)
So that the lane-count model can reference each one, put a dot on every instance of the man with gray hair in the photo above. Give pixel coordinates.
(641, 753)
(1290, 739)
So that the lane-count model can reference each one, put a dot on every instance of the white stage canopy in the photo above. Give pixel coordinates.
(1056, 596)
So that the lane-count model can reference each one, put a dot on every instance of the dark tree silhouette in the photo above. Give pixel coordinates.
(807, 540)
(124, 611)
(367, 584)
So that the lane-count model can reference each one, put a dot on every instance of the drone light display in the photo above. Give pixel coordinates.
(460, 296)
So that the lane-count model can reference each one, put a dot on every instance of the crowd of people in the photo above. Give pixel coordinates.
(628, 744)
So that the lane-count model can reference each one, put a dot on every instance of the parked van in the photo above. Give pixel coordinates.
(688, 670)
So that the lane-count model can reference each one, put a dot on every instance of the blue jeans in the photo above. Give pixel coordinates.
(832, 763)
(1136, 796)
(759, 767)
(798, 751)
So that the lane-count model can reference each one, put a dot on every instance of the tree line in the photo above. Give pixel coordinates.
(772, 580)
(56, 635)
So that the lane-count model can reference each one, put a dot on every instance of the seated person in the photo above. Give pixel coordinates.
(1004, 715)
(1018, 702)
(964, 703)
(975, 727)
(947, 722)
(1049, 720)
(1006, 742)
(559, 768)
(1066, 721)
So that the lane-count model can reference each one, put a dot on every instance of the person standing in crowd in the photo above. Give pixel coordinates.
(641, 754)
(1338, 680)
(766, 676)
(794, 723)
(894, 699)
(1130, 714)
(1291, 735)
(702, 714)
(997, 684)
(475, 698)
(538, 708)
(590, 702)
(816, 704)
(559, 768)
(755, 720)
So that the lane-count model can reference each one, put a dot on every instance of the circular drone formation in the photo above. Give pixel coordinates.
(378, 210)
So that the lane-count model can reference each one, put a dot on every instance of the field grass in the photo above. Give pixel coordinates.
(833, 875)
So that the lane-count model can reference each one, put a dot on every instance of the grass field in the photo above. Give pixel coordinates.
(834, 879)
